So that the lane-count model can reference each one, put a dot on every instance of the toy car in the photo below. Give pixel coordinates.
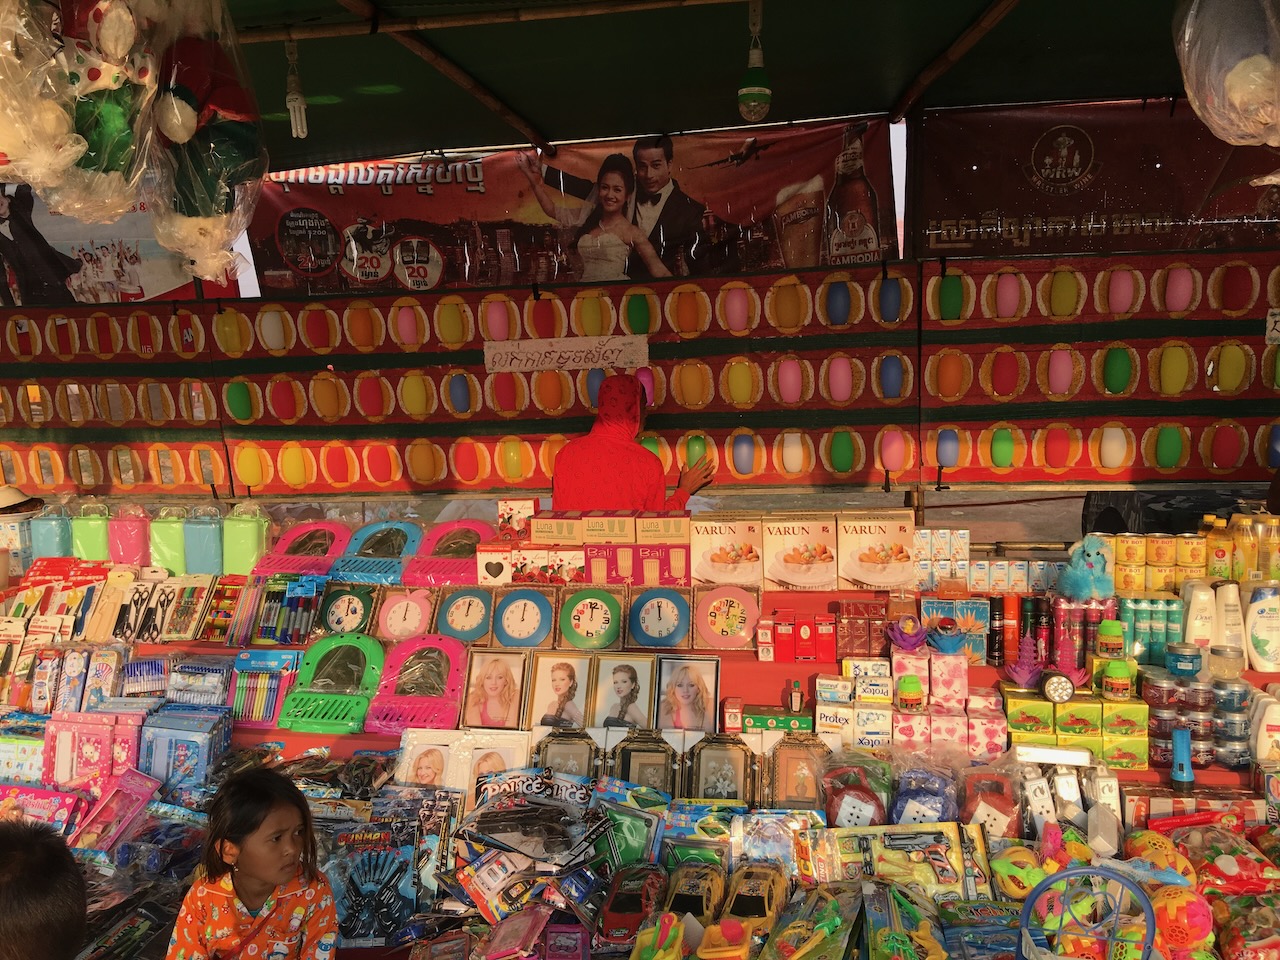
(696, 888)
(634, 894)
(756, 890)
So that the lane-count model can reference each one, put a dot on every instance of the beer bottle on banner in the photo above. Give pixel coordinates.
(853, 215)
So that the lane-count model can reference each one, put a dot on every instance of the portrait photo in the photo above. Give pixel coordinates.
(483, 754)
(688, 693)
(495, 690)
(623, 691)
(561, 690)
(427, 757)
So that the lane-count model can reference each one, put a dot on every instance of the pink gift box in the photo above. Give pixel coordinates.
(949, 677)
(649, 565)
(984, 698)
(909, 664)
(945, 704)
(948, 728)
(988, 734)
(910, 728)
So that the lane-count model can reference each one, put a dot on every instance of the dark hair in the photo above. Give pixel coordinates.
(563, 700)
(238, 809)
(661, 142)
(42, 895)
(613, 163)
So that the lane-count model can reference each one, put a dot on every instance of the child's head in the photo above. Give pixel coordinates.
(259, 825)
(496, 680)
(42, 895)
(428, 766)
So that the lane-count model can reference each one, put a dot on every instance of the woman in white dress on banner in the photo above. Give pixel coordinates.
(606, 237)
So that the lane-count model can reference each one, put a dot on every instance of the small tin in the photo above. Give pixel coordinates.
(1189, 551)
(1232, 696)
(1203, 753)
(1160, 578)
(1161, 550)
(1233, 754)
(1199, 722)
(1159, 690)
(1183, 659)
(1131, 550)
(1226, 661)
(1160, 722)
(1230, 726)
(1196, 695)
(1160, 753)
(1131, 576)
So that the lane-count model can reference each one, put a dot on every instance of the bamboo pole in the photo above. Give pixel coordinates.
(320, 31)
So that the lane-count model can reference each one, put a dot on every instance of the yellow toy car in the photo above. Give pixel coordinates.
(757, 890)
(696, 888)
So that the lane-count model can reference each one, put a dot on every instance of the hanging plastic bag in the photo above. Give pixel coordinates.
(207, 156)
(1229, 51)
(38, 141)
(107, 60)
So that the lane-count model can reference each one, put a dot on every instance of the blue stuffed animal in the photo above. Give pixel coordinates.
(1087, 575)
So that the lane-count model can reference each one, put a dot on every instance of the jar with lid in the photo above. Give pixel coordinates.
(1109, 641)
(1233, 753)
(1199, 722)
(1226, 661)
(1195, 695)
(1183, 660)
(1159, 689)
(1232, 695)
(1234, 726)
(1117, 684)
(1160, 753)
(1203, 753)
(1160, 723)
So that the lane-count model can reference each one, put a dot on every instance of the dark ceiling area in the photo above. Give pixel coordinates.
(578, 69)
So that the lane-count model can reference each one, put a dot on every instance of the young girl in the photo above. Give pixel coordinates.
(562, 711)
(626, 711)
(684, 702)
(427, 767)
(492, 700)
(261, 894)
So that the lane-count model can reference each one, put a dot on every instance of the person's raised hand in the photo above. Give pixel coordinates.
(528, 162)
(695, 476)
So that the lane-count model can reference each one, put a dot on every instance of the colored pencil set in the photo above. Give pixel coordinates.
(279, 609)
(260, 680)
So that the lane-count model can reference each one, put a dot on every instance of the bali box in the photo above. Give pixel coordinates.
(875, 549)
(726, 548)
(800, 552)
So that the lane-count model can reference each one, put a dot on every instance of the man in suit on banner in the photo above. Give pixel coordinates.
(41, 270)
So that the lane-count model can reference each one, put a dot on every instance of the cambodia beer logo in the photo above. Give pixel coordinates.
(1062, 161)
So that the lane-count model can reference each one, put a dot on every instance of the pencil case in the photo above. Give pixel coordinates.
(202, 541)
(128, 536)
(89, 539)
(51, 533)
(244, 538)
(168, 540)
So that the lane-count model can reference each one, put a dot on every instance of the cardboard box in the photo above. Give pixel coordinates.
(528, 565)
(1019, 576)
(1038, 739)
(874, 689)
(872, 721)
(960, 541)
(1081, 716)
(988, 734)
(979, 576)
(939, 545)
(876, 549)
(1125, 753)
(1124, 719)
(493, 563)
(727, 548)
(984, 698)
(998, 581)
(948, 726)
(1093, 744)
(910, 730)
(550, 529)
(601, 527)
(650, 565)
(949, 678)
(566, 565)
(800, 552)
(756, 718)
(830, 689)
(922, 545)
(865, 667)
(1028, 712)
(514, 517)
(15, 540)
(834, 718)
(1143, 802)
(662, 528)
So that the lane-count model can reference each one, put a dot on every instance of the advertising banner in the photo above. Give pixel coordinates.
(720, 203)
(1084, 178)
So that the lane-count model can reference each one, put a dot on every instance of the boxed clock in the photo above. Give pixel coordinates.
(799, 552)
(876, 549)
(726, 548)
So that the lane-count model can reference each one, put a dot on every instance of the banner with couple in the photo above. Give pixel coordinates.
(703, 204)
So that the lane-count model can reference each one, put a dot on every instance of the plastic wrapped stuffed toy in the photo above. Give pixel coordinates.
(208, 156)
(1229, 51)
(1087, 575)
(38, 141)
(108, 63)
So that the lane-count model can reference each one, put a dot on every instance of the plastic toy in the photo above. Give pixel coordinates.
(307, 548)
(756, 890)
(633, 896)
(447, 554)
(730, 939)
(377, 551)
(1184, 922)
(990, 800)
(908, 633)
(1087, 575)
(696, 889)
(338, 676)
(662, 942)
(820, 927)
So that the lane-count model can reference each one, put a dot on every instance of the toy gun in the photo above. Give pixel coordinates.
(930, 848)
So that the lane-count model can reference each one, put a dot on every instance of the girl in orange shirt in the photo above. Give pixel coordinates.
(261, 894)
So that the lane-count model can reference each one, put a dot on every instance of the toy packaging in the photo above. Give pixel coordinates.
(370, 867)
(929, 856)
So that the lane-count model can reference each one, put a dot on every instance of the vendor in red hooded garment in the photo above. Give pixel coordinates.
(608, 470)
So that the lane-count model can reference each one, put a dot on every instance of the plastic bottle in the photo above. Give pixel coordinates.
(1219, 549)
(1206, 524)
(1244, 549)
(1269, 550)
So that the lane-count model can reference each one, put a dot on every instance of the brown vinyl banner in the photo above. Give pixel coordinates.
(1085, 178)
(720, 203)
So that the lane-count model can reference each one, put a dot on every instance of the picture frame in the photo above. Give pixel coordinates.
(502, 707)
(793, 771)
(645, 758)
(427, 757)
(560, 689)
(687, 694)
(477, 754)
(571, 752)
(721, 766)
(618, 677)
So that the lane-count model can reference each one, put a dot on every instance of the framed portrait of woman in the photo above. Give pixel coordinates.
(571, 752)
(428, 758)
(793, 771)
(623, 691)
(644, 758)
(561, 690)
(688, 691)
(495, 690)
(480, 754)
(721, 767)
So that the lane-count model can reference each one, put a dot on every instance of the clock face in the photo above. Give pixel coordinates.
(591, 618)
(405, 615)
(346, 613)
(466, 613)
(659, 617)
(727, 618)
(521, 619)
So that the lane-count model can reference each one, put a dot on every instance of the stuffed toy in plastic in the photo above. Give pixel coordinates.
(37, 139)
(209, 156)
(1087, 575)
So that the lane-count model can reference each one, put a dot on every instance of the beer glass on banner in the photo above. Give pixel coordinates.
(798, 220)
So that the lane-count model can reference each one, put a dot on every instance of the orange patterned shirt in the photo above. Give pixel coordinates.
(302, 923)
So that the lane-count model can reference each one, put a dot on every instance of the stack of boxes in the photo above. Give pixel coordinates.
(1114, 731)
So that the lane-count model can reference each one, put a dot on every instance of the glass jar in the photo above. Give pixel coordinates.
(1160, 753)
(1203, 753)
(1226, 661)
(1160, 723)
(1159, 690)
(1196, 695)
(1199, 722)
(1231, 726)
(1233, 754)
(1183, 660)
(1232, 695)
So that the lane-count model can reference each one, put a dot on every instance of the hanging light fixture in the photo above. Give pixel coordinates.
(294, 101)
(754, 93)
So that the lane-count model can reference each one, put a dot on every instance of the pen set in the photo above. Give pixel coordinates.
(259, 682)
(202, 681)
